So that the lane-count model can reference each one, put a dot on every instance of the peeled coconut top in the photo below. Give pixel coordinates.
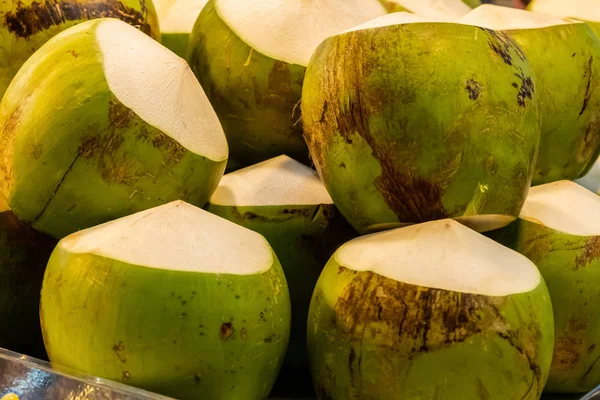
(178, 16)
(160, 88)
(564, 206)
(505, 18)
(179, 237)
(587, 10)
(442, 254)
(278, 181)
(398, 18)
(442, 9)
(290, 30)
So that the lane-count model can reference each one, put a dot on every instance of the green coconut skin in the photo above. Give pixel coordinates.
(176, 42)
(257, 98)
(27, 25)
(570, 266)
(183, 334)
(304, 237)
(569, 87)
(442, 123)
(371, 337)
(92, 159)
(472, 3)
(23, 257)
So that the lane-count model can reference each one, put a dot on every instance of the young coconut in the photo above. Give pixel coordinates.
(251, 55)
(177, 19)
(23, 257)
(440, 9)
(286, 202)
(124, 128)
(584, 10)
(559, 230)
(568, 83)
(434, 310)
(174, 300)
(28, 24)
(404, 135)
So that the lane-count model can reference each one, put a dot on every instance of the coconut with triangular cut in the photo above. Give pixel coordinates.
(434, 310)
(432, 121)
(584, 10)
(28, 24)
(173, 299)
(102, 122)
(568, 84)
(286, 202)
(251, 55)
(559, 230)
(23, 257)
(177, 18)
(442, 9)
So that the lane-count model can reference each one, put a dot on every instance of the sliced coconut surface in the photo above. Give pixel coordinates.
(505, 18)
(160, 88)
(587, 10)
(178, 16)
(442, 254)
(290, 30)
(564, 206)
(278, 181)
(444, 9)
(176, 236)
(591, 180)
(398, 18)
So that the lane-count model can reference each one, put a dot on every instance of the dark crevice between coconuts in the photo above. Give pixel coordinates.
(26, 21)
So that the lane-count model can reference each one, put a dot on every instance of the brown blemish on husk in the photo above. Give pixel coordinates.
(473, 88)
(590, 253)
(590, 142)
(226, 330)
(37, 17)
(587, 75)
(119, 349)
(9, 134)
(503, 46)
(569, 347)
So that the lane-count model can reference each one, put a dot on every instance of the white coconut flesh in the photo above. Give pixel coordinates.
(398, 18)
(587, 10)
(591, 180)
(178, 16)
(179, 237)
(505, 18)
(564, 206)
(160, 88)
(444, 9)
(444, 255)
(290, 30)
(278, 181)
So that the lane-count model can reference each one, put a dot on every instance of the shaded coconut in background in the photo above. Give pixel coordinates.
(433, 310)
(102, 122)
(26, 25)
(286, 202)
(567, 83)
(585, 10)
(443, 122)
(23, 257)
(591, 180)
(174, 300)
(442, 9)
(177, 18)
(559, 230)
(250, 56)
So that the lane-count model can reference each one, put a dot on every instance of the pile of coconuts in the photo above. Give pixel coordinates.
(347, 199)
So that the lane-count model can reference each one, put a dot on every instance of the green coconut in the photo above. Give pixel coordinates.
(177, 19)
(585, 10)
(431, 311)
(425, 121)
(442, 9)
(559, 230)
(251, 56)
(23, 257)
(28, 24)
(286, 202)
(174, 300)
(103, 122)
(568, 83)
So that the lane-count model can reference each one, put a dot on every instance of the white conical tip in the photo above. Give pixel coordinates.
(160, 88)
(505, 18)
(398, 18)
(564, 206)
(178, 16)
(275, 182)
(442, 254)
(587, 10)
(176, 236)
(448, 10)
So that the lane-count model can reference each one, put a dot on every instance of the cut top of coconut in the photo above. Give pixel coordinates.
(160, 88)
(178, 16)
(587, 10)
(278, 181)
(563, 206)
(176, 236)
(449, 10)
(442, 254)
(505, 18)
(398, 18)
(290, 30)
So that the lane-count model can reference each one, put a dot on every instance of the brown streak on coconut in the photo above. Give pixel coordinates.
(590, 253)
(6, 151)
(587, 74)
